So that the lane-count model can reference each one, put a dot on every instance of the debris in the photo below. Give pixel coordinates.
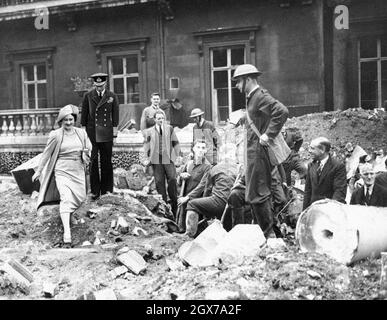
(383, 273)
(133, 261)
(86, 243)
(116, 272)
(109, 246)
(275, 243)
(174, 264)
(313, 274)
(122, 250)
(21, 269)
(244, 240)
(49, 290)
(198, 251)
(122, 225)
(222, 295)
(137, 231)
(92, 213)
(113, 224)
(104, 294)
(347, 233)
(14, 275)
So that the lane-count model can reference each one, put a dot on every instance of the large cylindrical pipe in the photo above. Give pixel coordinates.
(347, 233)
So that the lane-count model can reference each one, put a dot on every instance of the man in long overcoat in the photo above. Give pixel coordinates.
(100, 116)
(268, 115)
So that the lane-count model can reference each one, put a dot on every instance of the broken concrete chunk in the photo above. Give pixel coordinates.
(122, 225)
(113, 224)
(15, 275)
(92, 213)
(133, 261)
(139, 231)
(174, 264)
(313, 274)
(109, 246)
(86, 243)
(105, 294)
(122, 250)
(49, 290)
(244, 240)
(276, 243)
(195, 254)
(116, 272)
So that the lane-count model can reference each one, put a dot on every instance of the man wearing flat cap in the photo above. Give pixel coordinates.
(100, 113)
(205, 130)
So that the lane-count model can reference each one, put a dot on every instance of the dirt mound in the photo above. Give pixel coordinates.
(366, 128)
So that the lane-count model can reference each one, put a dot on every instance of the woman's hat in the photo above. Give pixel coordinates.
(66, 110)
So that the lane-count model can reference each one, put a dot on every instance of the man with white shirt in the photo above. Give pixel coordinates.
(162, 150)
(371, 193)
(268, 116)
(147, 116)
(326, 176)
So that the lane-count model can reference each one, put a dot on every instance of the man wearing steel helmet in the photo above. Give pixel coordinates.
(205, 130)
(100, 114)
(268, 115)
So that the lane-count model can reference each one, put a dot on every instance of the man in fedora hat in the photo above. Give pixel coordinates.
(205, 130)
(100, 113)
(266, 116)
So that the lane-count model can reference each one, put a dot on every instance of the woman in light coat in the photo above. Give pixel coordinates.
(62, 168)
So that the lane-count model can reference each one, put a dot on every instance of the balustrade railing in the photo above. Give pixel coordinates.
(28, 122)
(4, 3)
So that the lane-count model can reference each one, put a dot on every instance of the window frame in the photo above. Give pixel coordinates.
(215, 38)
(228, 68)
(378, 59)
(19, 58)
(35, 82)
(126, 75)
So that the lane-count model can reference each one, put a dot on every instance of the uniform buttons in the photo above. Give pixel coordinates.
(104, 119)
(105, 114)
(104, 125)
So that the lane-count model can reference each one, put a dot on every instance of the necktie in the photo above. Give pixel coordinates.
(161, 131)
(319, 169)
(368, 196)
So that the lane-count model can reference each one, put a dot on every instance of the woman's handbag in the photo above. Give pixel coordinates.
(278, 149)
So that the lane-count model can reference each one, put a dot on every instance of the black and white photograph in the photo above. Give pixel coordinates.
(195, 155)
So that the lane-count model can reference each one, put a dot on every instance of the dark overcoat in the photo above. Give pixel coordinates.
(99, 116)
(269, 116)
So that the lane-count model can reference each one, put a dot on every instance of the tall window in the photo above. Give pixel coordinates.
(226, 98)
(123, 75)
(34, 86)
(373, 72)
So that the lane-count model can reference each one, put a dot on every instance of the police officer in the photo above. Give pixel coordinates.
(100, 114)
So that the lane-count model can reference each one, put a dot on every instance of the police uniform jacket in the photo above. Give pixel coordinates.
(100, 115)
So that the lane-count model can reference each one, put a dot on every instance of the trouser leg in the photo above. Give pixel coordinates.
(106, 150)
(170, 171)
(159, 174)
(263, 216)
(236, 202)
(192, 220)
(95, 183)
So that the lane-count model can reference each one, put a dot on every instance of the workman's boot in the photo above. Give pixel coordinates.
(191, 223)
(263, 216)
(238, 216)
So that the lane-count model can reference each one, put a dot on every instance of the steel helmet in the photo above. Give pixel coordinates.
(196, 113)
(244, 70)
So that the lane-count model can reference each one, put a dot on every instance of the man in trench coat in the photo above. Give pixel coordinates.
(269, 116)
(100, 114)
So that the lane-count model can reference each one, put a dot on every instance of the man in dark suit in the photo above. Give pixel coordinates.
(162, 150)
(371, 193)
(100, 113)
(326, 176)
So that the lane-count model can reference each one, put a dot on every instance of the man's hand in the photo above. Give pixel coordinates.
(264, 140)
(182, 200)
(359, 183)
(35, 176)
(146, 162)
(185, 175)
